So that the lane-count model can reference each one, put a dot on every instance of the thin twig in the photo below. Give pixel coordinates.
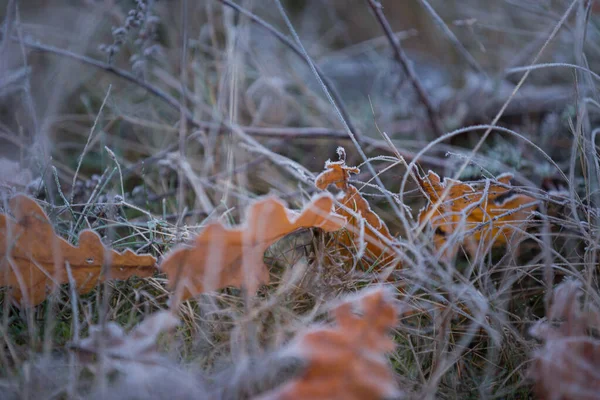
(452, 37)
(282, 133)
(174, 103)
(87, 143)
(407, 67)
(181, 208)
(298, 51)
(167, 98)
(182, 109)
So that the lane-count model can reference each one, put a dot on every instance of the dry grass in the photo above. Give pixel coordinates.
(111, 126)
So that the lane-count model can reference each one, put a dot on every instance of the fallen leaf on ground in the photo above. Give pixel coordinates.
(223, 256)
(34, 258)
(346, 361)
(490, 217)
(338, 174)
(127, 351)
(567, 366)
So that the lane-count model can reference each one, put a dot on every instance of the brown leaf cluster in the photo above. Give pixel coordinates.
(489, 213)
(223, 256)
(346, 361)
(338, 174)
(567, 366)
(34, 259)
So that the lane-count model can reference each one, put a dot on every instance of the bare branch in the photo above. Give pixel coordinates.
(406, 65)
(298, 51)
(453, 39)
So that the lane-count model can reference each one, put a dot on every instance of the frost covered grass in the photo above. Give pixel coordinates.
(145, 121)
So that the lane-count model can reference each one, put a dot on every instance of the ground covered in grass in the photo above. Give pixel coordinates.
(305, 199)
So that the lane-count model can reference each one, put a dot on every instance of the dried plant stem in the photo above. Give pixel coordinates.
(87, 143)
(182, 109)
(175, 104)
(299, 51)
(407, 67)
(167, 98)
(452, 37)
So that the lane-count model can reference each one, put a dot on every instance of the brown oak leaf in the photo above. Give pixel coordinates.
(346, 361)
(223, 256)
(34, 258)
(491, 219)
(132, 353)
(567, 366)
(338, 173)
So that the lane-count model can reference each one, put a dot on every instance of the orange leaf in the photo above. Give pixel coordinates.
(233, 256)
(338, 173)
(492, 219)
(34, 257)
(346, 361)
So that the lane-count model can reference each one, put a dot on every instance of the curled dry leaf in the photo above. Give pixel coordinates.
(567, 366)
(338, 174)
(489, 212)
(346, 361)
(233, 256)
(34, 258)
(123, 351)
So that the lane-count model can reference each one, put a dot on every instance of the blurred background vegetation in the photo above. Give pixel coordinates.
(239, 72)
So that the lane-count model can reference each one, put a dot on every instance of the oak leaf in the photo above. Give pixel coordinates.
(346, 361)
(34, 258)
(567, 366)
(133, 352)
(338, 173)
(223, 256)
(487, 212)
